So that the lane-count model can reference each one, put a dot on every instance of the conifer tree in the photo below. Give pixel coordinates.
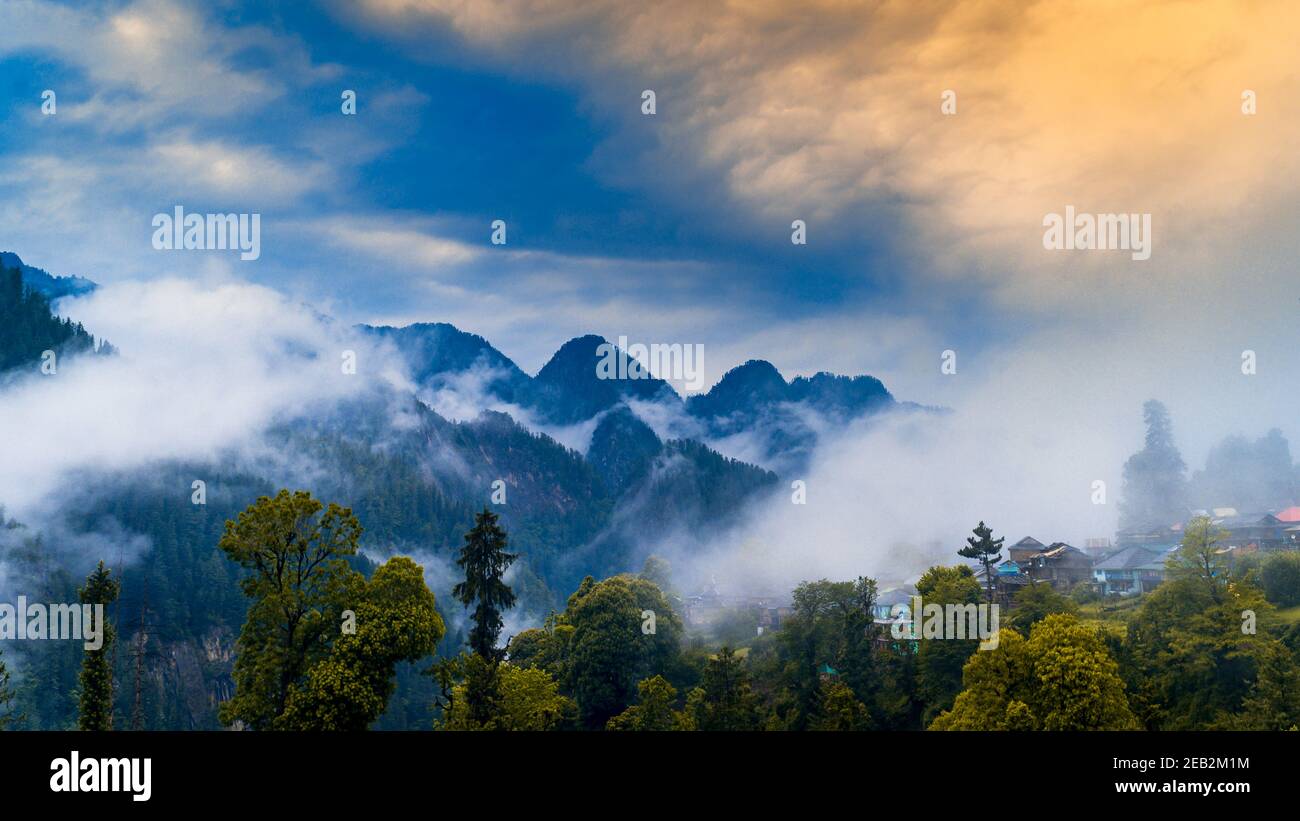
(986, 550)
(96, 701)
(485, 560)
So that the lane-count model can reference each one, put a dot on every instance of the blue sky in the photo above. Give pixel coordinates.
(155, 98)
(924, 229)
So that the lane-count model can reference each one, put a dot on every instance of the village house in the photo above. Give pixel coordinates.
(1061, 565)
(1135, 569)
(1008, 578)
(1265, 531)
(1023, 549)
(1029, 560)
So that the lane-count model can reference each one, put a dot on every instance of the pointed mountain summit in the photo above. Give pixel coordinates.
(572, 386)
(740, 389)
(748, 391)
(436, 350)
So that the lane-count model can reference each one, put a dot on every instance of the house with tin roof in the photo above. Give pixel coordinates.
(1132, 570)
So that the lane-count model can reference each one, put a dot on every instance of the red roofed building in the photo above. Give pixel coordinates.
(1291, 514)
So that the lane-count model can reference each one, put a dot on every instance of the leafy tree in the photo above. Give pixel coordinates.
(396, 620)
(840, 710)
(610, 651)
(1061, 678)
(300, 583)
(1078, 686)
(986, 550)
(831, 625)
(96, 701)
(1279, 578)
(998, 689)
(485, 560)
(1035, 602)
(1155, 485)
(1198, 557)
(547, 647)
(529, 700)
(653, 711)
(1188, 660)
(939, 663)
(1274, 699)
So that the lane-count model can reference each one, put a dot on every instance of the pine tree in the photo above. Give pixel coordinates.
(96, 703)
(1155, 484)
(725, 700)
(485, 561)
(984, 549)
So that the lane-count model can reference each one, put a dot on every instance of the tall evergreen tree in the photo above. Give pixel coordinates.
(96, 702)
(485, 560)
(986, 550)
(725, 700)
(1155, 485)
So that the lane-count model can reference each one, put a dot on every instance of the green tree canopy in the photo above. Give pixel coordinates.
(1035, 602)
(1061, 678)
(396, 620)
(299, 585)
(939, 663)
(1279, 578)
(724, 700)
(653, 711)
(529, 700)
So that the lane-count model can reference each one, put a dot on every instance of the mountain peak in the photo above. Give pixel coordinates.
(756, 381)
(436, 350)
(571, 387)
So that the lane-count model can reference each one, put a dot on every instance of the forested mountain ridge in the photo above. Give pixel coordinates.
(48, 285)
(28, 327)
(414, 485)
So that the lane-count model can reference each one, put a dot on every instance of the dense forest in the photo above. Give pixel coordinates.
(327, 648)
(28, 328)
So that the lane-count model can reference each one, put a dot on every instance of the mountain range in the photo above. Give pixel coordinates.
(626, 481)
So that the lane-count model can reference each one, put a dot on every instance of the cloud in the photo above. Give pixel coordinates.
(831, 111)
(818, 108)
(246, 174)
(201, 371)
(153, 58)
(890, 496)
